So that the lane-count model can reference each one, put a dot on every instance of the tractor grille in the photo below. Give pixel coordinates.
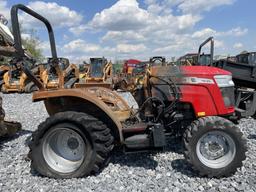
(228, 94)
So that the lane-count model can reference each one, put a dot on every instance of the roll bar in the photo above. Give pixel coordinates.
(20, 54)
(17, 34)
(211, 40)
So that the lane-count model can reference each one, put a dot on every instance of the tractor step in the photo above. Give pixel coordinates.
(140, 127)
(155, 138)
(138, 141)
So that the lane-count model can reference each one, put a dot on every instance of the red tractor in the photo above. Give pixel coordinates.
(129, 65)
(193, 102)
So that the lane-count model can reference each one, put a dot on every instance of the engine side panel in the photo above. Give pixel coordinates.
(206, 100)
(196, 86)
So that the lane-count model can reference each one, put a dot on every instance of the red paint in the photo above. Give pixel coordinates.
(130, 63)
(203, 71)
(204, 97)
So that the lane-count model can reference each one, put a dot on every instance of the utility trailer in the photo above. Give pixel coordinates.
(243, 69)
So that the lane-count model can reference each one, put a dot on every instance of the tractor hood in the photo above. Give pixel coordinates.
(181, 71)
(182, 74)
(202, 70)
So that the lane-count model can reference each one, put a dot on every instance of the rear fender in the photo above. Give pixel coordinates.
(99, 102)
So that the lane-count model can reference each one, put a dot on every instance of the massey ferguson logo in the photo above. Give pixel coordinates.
(196, 80)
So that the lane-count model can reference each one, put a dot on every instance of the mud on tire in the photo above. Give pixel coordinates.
(214, 146)
(83, 141)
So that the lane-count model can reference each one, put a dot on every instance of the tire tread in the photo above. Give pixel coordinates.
(100, 135)
(213, 121)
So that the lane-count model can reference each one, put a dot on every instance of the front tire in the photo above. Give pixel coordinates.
(70, 144)
(214, 146)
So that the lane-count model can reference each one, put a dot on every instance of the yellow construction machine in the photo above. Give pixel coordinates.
(98, 73)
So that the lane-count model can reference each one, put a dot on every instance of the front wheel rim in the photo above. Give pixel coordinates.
(216, 149)
(64, 150)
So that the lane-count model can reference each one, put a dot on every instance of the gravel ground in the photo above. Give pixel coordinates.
(165, 171)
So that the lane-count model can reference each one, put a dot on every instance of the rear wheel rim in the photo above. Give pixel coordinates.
(64, 150)
(216, 149)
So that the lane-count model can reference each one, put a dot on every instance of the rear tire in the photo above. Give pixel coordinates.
(70, 144)
(214, 146)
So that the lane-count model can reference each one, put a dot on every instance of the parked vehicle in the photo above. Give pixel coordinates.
(86, 123)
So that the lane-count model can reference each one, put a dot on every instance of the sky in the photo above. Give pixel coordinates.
(123, 29)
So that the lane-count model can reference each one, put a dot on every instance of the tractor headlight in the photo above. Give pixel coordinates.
(226, 86)
(224, 80)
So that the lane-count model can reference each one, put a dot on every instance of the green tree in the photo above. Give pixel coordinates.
(31, 43)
